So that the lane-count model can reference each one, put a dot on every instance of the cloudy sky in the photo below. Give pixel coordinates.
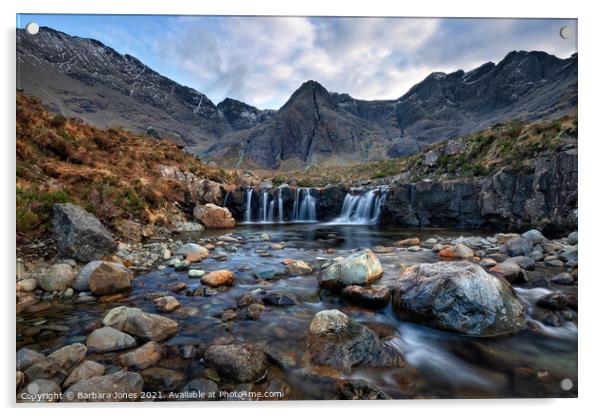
(262, 60)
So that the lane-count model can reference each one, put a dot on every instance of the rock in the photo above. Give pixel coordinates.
(70, 355)
(218, 278)
(142, 357)
(58, 365)
(553, 261)
(27, 285)
(213, 216)
(458, 251)
(162, 379)
(534, 236)
(120, 386)
(523, 262)
(298, 268)
(278, 246)
(39, 391)
(563, 279)
(431, 157)
(26, 358)
(167, 303)
(568, 254)
(357, 269)
(128, 229)
(279, 299)
(335, 340)
(458, 297)
(487, 262)
(200, 389)
(194, 273)
(502, 238)
(254, 311)
(107, 339)
(239, 363)
(573, 238)
(359, 390)
(553, 301)
(19, 380)
(103, 278)
(269, 274)
(85, 370)
(193, 252)
(517, 246)
(57, 278)
(79, 234)
(508, 269)
(414, 241)
(141, 324)
(375, 297)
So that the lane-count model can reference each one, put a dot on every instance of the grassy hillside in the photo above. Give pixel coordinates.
(111, 173)
(513, 145)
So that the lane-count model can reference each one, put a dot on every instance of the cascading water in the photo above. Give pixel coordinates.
(263, 209)
(280, 206)
(248, 205)
(304, 208)
(362, 208)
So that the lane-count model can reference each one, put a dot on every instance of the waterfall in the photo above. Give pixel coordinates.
(263, 208)
(363, 207)
(271, 211)
(280, 206)
(248, 206)
(304, 208)
(226, 198)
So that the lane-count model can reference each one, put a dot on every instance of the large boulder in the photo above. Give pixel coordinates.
(107, 339)
(58, 365)
(103, 278)
(141, 324)
(517, 246)
(58, 277)
(213, 216)
(337, 341)
(239, 363)
(359, 268)
(121, 386)
(79, 234)
(458, 297)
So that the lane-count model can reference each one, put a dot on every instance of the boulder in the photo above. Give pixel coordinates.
(162, 379)
(103, 278)
(166, 303)
(534, 236)
(409, 242)
(79, 234)
(239, 363)
(206, 389)
(458, 297)
(279, 299)
(298, 268)
(335, 340)
(374, 297)
(27, 357)
(193, 252)
(39, 391)
(508, 269)
(573, 238)
(142, 357)
(359, 268)
(553, 301)
(213, 216)
(218, 278)
(563, 279)
(27, 285)
(120, 386)
(128, 229)
(141, 324)
(85, 370)
(107, 339)
(58, 365)
(517, 246)
(524, 262)
(57, 277)
(458, 251)
(359, 390)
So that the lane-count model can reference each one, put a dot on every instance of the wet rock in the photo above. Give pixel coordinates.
(563, 279)
(553, 261)
(573, 238)
(570, 254)
(534, 236)
(141, 324)
(107, 339)
(359, 390)
(487, 263)
(199, 389)
(19, 380)
(357, 269)
(254, 311)
(120, 386)
(143, 357)
(69, 356)
(193, 252)
(458, 251)
(58, 365)
(335, 340)
(414, 241)
(39, 391)
(27, 285)
(218, 278)
(58, 277)
(269, 274)
(282, 357)
(374, 297)
(213, 216)
(195, 273)
(79, 234)
(167, 303)
(104, 278)
(27, 357)
(458, 297)
(298, 268)
(523, 262)
(162, 379)
(554, 301)
(279, 299)
(508, 269)
(85, 370)
(517, 246)
(240, 363)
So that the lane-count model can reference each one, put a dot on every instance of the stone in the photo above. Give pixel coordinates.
(213, 216)
(70, 355)
(239, 363)
(374, 297)
(195, 251)
(218, 278)
(360, 268)
(57, 277)
(205, 389)
(523, 262)
(162, 379)
(279, 299)
(58, 365)
(107, 339)
(517, 246)
(141, 324)
(143, 357)
(129, 229)
(570, 254)
(79, 234)
(508, 269)
(553, 261)
(254, 311)
(487, 262)
(534, 236)
(502, 238)
(563, 279)
(335, 340)
(573, 238)
(27, 357)
(167, 303)
(458, 297)
(195, 273)
(277, 246)
(85, 370)
(298, 268)
(553, 301)
(458, 251)
(359, 390)
(120, 386)
(39, 391)
(27, 285)
(103, 278)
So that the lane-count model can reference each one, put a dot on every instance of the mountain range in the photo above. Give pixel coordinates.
(86, 79)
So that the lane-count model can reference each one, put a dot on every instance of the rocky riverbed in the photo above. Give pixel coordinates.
(302, 311)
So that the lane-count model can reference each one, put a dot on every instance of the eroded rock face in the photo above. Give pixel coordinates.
(241, 363)
(80, 235)
(117, 387)
(458, 297)
(337, 341)
(104, 278)
(141, 324)
(213, 216)
(358, 269)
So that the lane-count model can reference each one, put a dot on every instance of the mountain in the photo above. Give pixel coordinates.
(243, 116)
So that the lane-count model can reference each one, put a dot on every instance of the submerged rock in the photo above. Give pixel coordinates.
(166, 303)
(458, 297)
(375, 297)
(240, 363)
(298, 267)
(122, 386)
(359, 390)
(357, 269)
(141, 324)
(335, 340)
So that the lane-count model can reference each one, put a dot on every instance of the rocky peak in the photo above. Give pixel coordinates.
(243, 116)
